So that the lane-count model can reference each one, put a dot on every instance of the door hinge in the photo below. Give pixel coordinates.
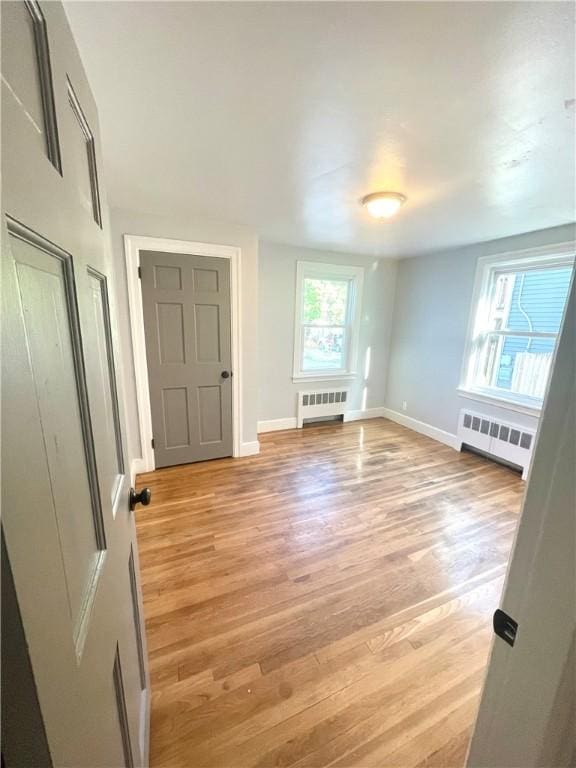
(505, 626)
(140, 272)
(152, 441)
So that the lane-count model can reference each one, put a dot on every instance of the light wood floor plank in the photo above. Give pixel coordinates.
(327, 602)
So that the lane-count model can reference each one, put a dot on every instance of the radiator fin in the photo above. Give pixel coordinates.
(326, 402)
(507, 441)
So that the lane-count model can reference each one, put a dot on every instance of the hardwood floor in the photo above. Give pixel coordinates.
(327, 602)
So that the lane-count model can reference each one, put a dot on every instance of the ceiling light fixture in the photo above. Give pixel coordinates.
(382, 205)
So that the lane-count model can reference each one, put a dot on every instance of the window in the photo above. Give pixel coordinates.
(328, 300)
(518, 314)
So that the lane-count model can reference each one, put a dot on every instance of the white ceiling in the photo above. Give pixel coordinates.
(280, 116)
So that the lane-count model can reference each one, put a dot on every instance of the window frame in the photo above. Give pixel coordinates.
(324, 271)
(558, 255)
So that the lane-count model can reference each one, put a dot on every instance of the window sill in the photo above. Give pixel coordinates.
(298, 378)
(501, 402)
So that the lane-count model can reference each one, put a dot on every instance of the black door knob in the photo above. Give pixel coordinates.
(140, 497)
(225, 374)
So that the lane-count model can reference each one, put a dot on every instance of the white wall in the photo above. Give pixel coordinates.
(414, 319)
(277, 294)
(432, 306)
(199, 230)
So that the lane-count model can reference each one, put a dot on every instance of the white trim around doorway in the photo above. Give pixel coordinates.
(133, 244)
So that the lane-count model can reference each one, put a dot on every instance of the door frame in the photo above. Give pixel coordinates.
(133, 244)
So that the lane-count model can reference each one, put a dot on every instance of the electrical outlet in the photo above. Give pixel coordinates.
(404, 406)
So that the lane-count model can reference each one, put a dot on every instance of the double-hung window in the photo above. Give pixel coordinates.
(517, 315)
(328, 306)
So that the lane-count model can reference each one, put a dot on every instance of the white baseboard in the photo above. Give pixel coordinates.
(275, 425)
(137, 466)
(250, 449)
(368, 413)
(420, 426)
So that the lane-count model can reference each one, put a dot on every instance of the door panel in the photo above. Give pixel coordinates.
(176, 417)
(186, 303)
(210, 410)
(75, 502)
(207, 333)
(69, 533)
(170, 321)
(137, 620)
(168, 278)
(206, 280)
(122, 711)
(20, 67)
(107, 431)
(84, 157)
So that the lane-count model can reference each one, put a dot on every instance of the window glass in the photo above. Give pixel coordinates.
(516, 364)
(327, 322)
(323, 348)
(325, 301)
(517, 325)
(530, 301)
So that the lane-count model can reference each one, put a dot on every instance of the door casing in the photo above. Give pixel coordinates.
(133, 244)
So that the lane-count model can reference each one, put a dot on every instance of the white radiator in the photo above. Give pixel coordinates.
(499, 438)
(321, 402)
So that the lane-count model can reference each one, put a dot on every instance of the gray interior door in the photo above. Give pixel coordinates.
(70, 536)
(186, 301)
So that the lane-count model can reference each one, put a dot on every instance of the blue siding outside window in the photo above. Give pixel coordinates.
(537, 305)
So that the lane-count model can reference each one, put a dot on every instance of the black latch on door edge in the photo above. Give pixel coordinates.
(504, 626)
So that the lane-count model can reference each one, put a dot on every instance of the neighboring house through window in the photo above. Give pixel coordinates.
(517, 313)
(328, 304)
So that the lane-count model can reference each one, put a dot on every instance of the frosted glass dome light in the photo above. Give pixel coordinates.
(383, 205)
